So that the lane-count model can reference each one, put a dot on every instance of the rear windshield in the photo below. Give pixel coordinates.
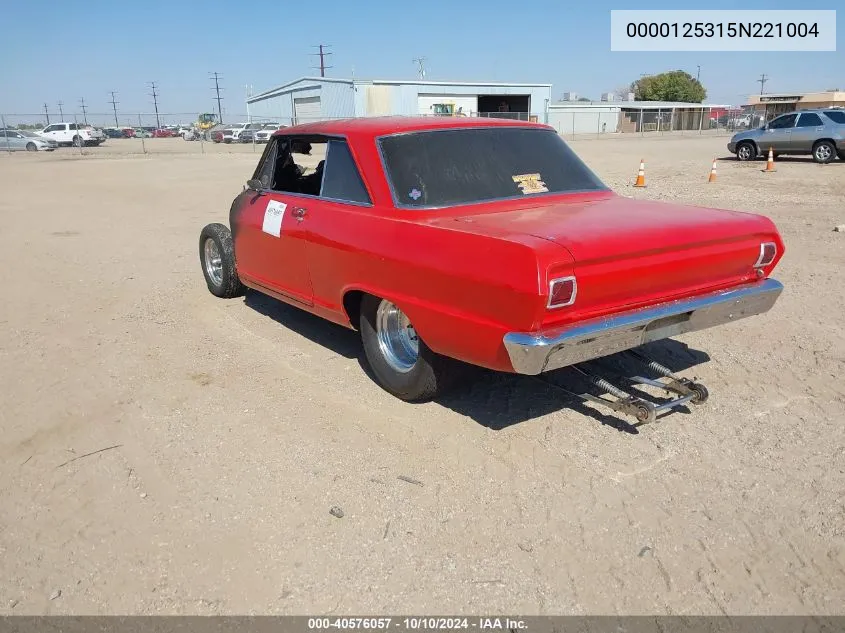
(836, 116)
(463, 166)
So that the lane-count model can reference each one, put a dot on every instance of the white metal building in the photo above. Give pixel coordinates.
(320, 98)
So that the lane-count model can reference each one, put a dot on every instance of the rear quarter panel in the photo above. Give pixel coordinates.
(462, 290)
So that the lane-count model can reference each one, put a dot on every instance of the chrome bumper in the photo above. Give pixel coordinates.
(534, 353)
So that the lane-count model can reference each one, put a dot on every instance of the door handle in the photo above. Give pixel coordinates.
(299, 213)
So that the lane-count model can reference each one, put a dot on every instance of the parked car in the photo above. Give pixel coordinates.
(267, 130)
(24, 140)
(448, 241)
(76, 134)
(819, 132)
(113, 132)
(218, 136)
(140, 132)
(163, 133)
(247, 136)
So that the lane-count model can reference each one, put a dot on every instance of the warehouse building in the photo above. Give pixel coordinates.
(768, 106)
(322, 98)
(608, 117)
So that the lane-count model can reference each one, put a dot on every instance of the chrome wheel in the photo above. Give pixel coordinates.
(213, 262)
(823, 153)
(397, 338)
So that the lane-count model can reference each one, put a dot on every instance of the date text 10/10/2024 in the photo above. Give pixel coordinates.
(723, 30)
(418, 623)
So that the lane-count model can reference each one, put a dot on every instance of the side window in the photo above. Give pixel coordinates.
(299, 165)
(837, 116)
(267, 164)
(52, 128)
(72, 126)
(810, 119)
(783, 122)
(342, 180)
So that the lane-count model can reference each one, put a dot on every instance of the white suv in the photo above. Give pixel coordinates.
(73, 134)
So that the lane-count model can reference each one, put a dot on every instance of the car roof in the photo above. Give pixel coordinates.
(379, 126)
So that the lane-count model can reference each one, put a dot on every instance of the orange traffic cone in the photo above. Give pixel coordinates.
(712, 177)
(641, 175)
(770, 164)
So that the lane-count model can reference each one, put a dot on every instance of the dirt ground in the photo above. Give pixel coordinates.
(228, 429)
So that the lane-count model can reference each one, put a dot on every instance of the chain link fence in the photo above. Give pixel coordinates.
(95, 133)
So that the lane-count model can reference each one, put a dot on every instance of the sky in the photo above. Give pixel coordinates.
(85, 49)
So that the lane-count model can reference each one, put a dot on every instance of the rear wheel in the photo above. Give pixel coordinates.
(823, 152)
(746, 151)
(217, 256)
(401, 362)
(30, 147)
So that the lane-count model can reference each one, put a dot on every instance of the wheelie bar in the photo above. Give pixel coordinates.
(673, 384)
(643, 410)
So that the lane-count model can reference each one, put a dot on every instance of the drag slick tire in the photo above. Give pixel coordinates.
(217, 256)
(400, 361)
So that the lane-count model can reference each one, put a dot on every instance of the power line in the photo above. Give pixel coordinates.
(61, 113)
(762, 81)
(47, 112)
(84, 111)
(114, 107)
(216, 77)
(420, 62)
(155, 96)
(323, 54)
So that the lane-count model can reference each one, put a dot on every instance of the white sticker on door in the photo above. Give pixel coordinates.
(273, 216)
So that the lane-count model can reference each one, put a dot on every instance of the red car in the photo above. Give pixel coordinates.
(451, 241)
(162, 133)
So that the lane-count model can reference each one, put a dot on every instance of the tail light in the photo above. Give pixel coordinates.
(768, 252)
(562, 292)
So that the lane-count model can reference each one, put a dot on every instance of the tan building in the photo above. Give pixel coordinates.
(771, 105)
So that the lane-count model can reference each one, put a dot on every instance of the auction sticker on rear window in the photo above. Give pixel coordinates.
(273, 215)
(530, 183)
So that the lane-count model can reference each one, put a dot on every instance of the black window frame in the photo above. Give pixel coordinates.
(808, 115)
(272, 150)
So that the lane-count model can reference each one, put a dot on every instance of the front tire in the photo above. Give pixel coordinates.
(30, 147)
(823, 152)
(401, 362)
(217, 256)
(746, 151)
(77, 142)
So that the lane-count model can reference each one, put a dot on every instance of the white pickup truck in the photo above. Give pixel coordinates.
(76, 134)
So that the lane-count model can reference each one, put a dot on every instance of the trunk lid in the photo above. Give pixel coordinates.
(634, 252)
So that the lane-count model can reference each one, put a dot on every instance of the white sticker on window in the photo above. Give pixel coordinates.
(273, 216)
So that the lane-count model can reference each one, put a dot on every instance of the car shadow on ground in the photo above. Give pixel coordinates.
(498, 400)
(761, 160)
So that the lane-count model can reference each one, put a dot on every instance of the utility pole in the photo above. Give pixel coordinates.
(698, 74)
(323, 54)
(114, 107)
(762, 81)
(420, 62)
(155, 96)
(47, 112)
(216, 77)
(61, 114)
(84, 111)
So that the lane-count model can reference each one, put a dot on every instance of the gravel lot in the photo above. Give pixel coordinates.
(232, 427)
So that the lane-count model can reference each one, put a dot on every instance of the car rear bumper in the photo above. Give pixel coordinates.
(537, 352)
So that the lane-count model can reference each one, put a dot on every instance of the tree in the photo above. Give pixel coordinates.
(675, 85)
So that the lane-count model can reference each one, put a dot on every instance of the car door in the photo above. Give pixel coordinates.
(778, 133)
(270, 245)
(806, 132)
(16, 140)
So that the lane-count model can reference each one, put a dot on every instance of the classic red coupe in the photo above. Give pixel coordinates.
(453, 241)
